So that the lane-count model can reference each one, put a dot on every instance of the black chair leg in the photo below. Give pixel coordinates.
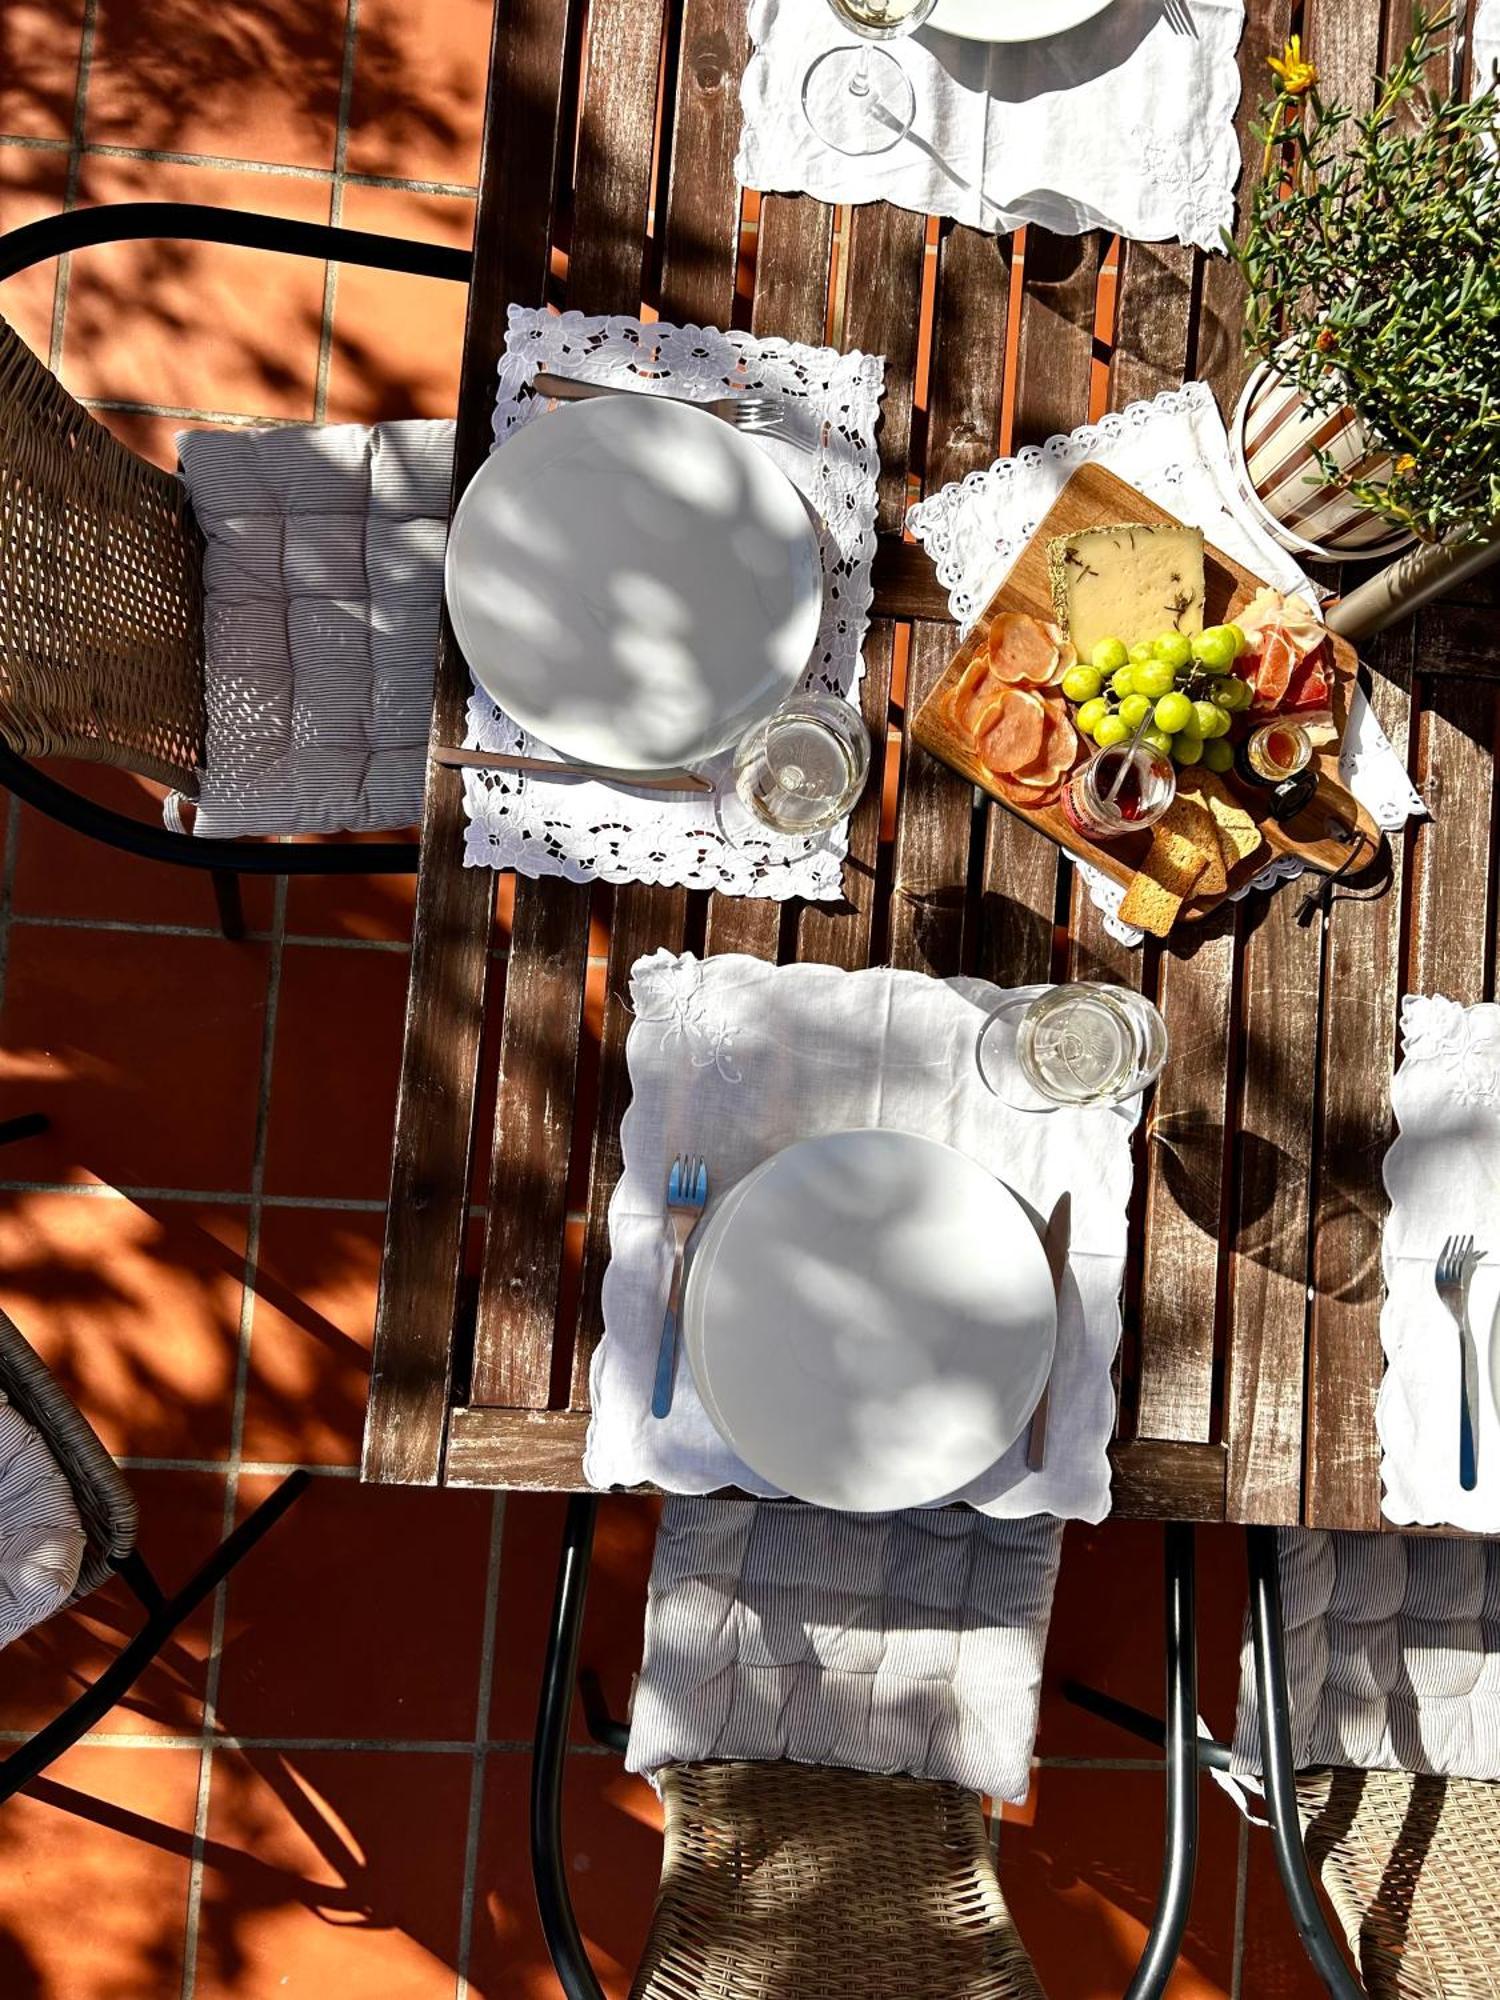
(231, 909)
(27, 1126)
(169, 1613)
(601, 1725)
(549, 1754)
(1279, 1772)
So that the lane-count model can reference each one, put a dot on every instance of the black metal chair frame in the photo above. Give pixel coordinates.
(137, 221)
(560, 1676)
(107, 1508)
(1194, 1754)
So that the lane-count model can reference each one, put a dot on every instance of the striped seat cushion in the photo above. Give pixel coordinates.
(323, 582)
(893, 1643)
(1392, 1653)
(41, 1536)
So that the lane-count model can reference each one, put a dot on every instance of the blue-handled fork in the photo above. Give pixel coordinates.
(687, 1191)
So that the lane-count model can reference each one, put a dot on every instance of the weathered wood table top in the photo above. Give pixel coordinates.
(1251, 1357)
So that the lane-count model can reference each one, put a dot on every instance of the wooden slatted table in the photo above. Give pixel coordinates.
(1251, 1357)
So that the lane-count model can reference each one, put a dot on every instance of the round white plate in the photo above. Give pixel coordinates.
(1484, 1324)
(633, 581)
(870, 1319)
(1012, 20)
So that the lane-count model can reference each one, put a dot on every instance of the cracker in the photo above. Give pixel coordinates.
(1150, 905)
(1239, 836)
(1186, 832)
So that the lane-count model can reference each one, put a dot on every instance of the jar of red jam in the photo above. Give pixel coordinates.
(1142, 781)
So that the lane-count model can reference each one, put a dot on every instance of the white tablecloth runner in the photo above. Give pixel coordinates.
(587, 832)
(1442, 1174)
(1123, 123)
(735, 1059)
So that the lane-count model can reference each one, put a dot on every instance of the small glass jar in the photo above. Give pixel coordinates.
(1145, 790)
(1278, 751)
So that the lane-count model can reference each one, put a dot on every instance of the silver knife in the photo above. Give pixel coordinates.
(1055, 1241)
(547, 767)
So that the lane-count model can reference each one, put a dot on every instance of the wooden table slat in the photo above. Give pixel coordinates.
(1452, 861)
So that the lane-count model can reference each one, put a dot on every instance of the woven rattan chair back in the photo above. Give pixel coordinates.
(787, 1881)
(1412, 1868)
(105, 1502)
(101, 593)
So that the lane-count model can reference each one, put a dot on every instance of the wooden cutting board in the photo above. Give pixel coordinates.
(1095, 498)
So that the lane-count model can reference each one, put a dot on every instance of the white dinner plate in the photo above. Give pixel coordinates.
(1484, 1324)
(1012, 20)
(633, 581)
(870, 1319)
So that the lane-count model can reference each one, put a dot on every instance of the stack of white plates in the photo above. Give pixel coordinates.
(870, 1319)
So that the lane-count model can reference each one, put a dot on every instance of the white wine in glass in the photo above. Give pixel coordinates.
(859, 99)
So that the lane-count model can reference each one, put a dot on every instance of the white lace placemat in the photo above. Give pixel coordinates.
(588, 831)
(736, 1059)
(1442, 1174)
(1124, 123)
(1176, 452)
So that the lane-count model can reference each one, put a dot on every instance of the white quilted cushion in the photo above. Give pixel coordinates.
(907, 1642)
(323, 579)
(41, 1536)
(1393, 1654)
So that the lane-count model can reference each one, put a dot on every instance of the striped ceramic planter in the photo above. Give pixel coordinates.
(1274, 441)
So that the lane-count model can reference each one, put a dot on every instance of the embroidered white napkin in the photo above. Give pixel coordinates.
(1486, 44)
(1442, 1174)
(586, 831)
(1176, 452)
(1125, 122)
(737, 1059)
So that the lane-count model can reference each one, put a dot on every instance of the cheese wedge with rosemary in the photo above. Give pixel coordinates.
(1127, 583)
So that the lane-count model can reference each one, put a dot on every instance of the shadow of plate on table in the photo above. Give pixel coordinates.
(1017, 72)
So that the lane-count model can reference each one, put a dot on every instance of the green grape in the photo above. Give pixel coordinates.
(1186, 749)
(1173, 647)
(1122, 681)
(1240, 641)
(1082, 683)
(1109, 730)
(1158, 740)
(1134, 709)
(1215, 649)
(1218, 755)
(1155, 678)
(1140, 652)
(1234, 694)
(1091, 714)
(1173, 713)
(1109, 654)
(1212, 720)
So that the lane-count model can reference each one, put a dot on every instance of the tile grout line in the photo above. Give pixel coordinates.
(133, 927)
(86, 35)
(291, 1746)
(236, 1438)
(228, 163)
(336, 211)
(481, 1734)
(1241, 1890)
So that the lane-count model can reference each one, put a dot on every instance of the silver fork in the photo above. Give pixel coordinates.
(1178, 17)
(744, 413)
(1452, 1279)
(687, 1190)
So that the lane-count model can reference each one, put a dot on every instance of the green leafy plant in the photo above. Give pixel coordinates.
(1372, 253)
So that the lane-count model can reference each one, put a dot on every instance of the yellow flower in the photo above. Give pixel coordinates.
(1296, 76)
(1406, 463)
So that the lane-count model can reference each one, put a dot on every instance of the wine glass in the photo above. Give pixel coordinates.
(859, 99)
(798, 772)
(1078, 1044)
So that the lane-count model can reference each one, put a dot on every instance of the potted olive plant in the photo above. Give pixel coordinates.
(1372, 254)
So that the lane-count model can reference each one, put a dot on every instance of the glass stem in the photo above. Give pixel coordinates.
(859, 81)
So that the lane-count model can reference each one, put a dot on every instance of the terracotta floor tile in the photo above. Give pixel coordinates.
(32, 184)
(612, 1847)
(1276, 1967)
(624, 1538)
(312, 1324)
(365, 1621)
(39, 46)
(1107, 1630)
(333, 1872)
(135, 1307)
(151, 438)
(243, 80)
(60, 873)
(1079, 1865)
(117, 1857)
(196, 326)
(419, 77)
(181, 1524)
(143, 1050)
(352, 906)
(398, 340)
(333, 1087)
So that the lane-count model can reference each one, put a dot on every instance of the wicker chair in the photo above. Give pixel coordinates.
(101, 593)
(107, 1509)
